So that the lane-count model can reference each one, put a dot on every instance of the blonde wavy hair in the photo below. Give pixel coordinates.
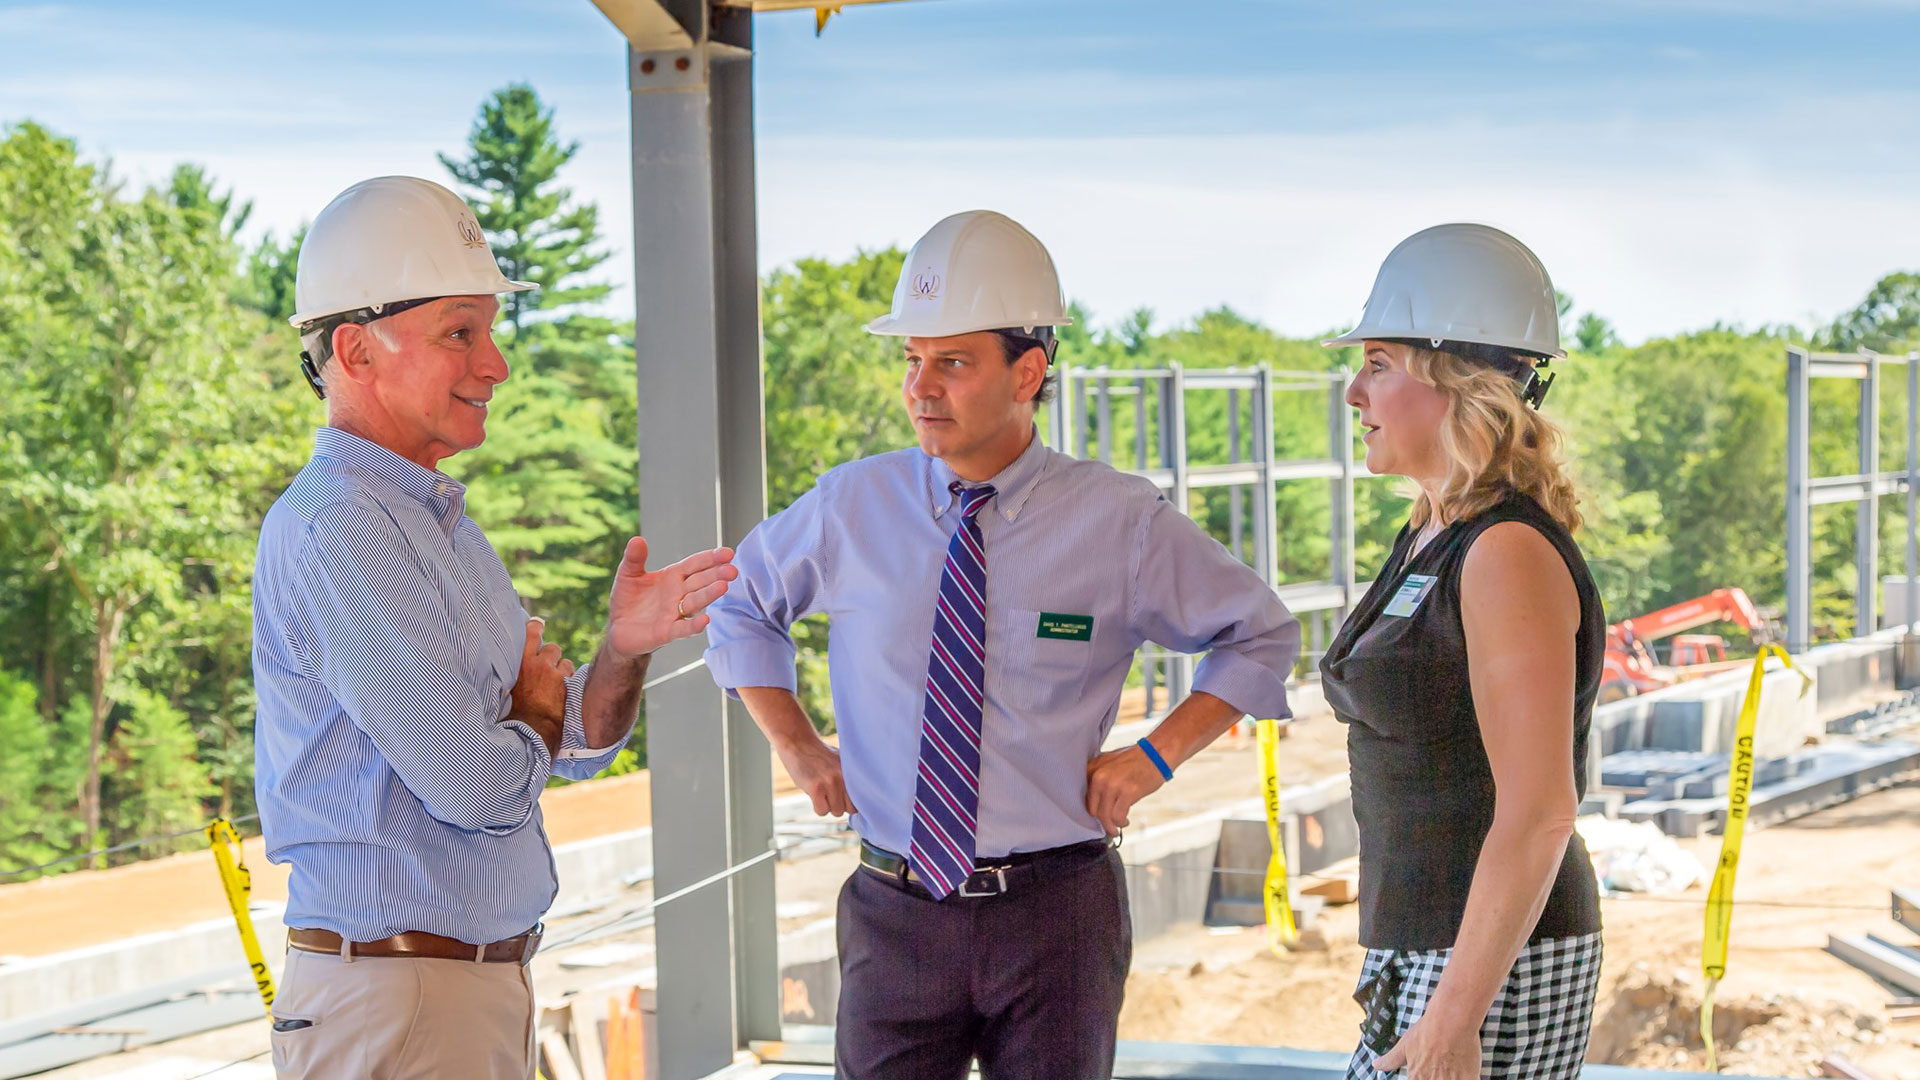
(1494, 443)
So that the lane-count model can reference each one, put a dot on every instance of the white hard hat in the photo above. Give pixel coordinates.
(393, 239)
(976, 270)
(1464, 284)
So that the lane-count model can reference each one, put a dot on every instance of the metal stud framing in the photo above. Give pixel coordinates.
(1864, 488)
(1082, 422)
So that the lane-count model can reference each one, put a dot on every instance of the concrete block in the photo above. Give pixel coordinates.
(1814, 780)
(1640, 768)
(1853, 672)
(1604, 803)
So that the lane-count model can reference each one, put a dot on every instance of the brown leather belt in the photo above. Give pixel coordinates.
(419, 943)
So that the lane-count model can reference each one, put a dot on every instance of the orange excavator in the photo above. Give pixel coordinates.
(1630, 664)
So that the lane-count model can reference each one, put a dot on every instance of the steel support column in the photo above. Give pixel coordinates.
(1180, 677)
(702, 483)
(1912, 608)
(1340, 427)
(1799, 506)
(1268, 519)
(1866, 546)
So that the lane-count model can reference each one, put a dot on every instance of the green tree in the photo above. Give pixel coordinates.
(270, 275)
(832, 389)
(35, 791)
(556, 484)
(538, 232)
(1677, 445)
(832, 395)
(136, 433)
(1888, 320)
(1594, 334)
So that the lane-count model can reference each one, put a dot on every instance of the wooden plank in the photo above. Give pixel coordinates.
(560, 1064)
(1840, 1068)
(586, 1042)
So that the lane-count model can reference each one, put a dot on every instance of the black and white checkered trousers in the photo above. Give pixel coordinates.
(1537, 1028)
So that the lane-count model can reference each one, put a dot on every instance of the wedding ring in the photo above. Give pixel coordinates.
(680, 606)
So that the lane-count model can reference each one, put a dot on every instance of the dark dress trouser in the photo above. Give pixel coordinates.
(1029, 982)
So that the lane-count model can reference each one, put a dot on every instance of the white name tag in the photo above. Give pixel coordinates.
(1412, 591)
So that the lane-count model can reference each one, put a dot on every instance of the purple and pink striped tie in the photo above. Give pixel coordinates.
(946, 803)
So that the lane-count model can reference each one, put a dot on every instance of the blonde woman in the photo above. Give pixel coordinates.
(1467, 677)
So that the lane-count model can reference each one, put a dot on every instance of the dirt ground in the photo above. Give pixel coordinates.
(1785, 1004)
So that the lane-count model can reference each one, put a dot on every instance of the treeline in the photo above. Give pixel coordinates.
(150, 412)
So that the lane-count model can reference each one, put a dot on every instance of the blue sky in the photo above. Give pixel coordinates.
(1674, 162)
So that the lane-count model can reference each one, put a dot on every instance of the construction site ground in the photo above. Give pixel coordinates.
(1784, 1005)
(1791, 1002)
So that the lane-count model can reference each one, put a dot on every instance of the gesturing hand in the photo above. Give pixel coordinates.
(540, 693)
(649, 608)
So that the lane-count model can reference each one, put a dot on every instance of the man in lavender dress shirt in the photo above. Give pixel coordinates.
(987, 596)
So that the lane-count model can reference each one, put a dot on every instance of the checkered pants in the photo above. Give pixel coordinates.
(1537, 1028)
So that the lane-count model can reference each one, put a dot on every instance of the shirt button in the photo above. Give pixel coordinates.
(440, 487)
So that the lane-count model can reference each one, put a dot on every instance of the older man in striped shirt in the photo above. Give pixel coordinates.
(409, 713)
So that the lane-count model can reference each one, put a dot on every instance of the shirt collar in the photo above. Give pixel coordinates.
(1012, 485)
(433, 489)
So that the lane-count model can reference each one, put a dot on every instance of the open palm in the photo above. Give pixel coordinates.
(649, 608)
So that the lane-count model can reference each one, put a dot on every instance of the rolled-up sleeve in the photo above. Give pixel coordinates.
(783, 575)
(377, 635)
(1191, 594)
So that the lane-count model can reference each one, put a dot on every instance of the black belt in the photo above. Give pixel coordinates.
(991, 877)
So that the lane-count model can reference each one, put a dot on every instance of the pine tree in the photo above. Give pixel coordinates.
(555, 485)
(538, 232)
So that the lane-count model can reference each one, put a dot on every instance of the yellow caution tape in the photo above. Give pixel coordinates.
(1713, 945)
(1280, 929)
(238, 881)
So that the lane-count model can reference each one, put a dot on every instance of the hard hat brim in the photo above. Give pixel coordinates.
(504, 286)
(1360, 334)
(890, 325)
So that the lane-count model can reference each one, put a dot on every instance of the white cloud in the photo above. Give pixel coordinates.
(1730, 205)
(1285, 229)
(1290, 230)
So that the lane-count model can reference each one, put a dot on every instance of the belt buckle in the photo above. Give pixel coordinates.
(532, 943)
(998, 876)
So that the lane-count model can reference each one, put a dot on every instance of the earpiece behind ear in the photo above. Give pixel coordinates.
(312, 373)
(1538, 384)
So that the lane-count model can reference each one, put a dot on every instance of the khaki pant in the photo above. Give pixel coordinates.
(402, 1018)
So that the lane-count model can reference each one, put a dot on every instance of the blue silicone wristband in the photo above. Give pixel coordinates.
(1166, 771)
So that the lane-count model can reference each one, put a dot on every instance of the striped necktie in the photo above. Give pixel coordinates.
(947, 795)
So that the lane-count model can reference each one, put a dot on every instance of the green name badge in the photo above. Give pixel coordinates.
(1066, 627)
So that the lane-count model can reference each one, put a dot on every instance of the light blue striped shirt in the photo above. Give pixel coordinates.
(386, 639)
(1063, 537)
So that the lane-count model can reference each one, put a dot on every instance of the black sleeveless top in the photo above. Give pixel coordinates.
(1397, 676)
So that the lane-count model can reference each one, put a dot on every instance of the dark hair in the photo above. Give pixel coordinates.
(1015, 343)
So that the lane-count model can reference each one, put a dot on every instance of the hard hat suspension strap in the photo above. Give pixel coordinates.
(1018, 339)
(1527, 369)
(325, 325)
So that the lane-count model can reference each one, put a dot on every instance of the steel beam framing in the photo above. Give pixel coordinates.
(1160, 396)
(1863, 489)
(702, 484)
(1866, 538)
